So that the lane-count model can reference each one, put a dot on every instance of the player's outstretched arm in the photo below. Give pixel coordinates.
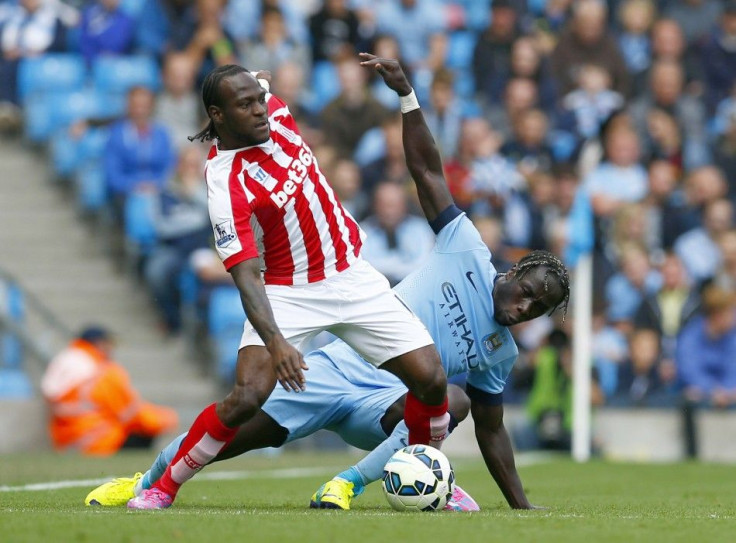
(287, 361)
(422, 156)
(495, 446)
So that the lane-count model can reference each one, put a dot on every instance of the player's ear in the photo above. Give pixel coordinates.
(215, 113)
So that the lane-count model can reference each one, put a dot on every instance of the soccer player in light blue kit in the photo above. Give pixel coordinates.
(467, 308)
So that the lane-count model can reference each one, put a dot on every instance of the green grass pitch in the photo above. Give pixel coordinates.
(263, 499)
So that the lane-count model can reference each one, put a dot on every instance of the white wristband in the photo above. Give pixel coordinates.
(262, 82)
(409, 102)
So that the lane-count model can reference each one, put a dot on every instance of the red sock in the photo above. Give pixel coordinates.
(207, 437)
(427, 423)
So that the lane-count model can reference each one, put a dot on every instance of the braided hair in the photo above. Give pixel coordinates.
(211, 97)
(553, 266)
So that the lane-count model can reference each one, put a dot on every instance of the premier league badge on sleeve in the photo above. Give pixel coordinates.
(224, 233)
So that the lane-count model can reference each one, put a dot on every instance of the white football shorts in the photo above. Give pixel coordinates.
(356, 305)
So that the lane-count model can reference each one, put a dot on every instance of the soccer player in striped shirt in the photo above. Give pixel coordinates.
(294, 254)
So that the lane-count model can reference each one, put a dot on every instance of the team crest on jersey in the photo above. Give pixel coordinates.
(492, 342)
(224, 233)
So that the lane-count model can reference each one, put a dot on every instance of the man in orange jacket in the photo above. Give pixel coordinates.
(94, 408)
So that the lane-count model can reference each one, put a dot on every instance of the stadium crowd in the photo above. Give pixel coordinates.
(561, 123)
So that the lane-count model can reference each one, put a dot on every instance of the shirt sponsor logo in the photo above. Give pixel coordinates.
(297, 173)
(224, 233)
(458, 323)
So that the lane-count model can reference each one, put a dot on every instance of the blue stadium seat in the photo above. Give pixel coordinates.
(91, 187)
(140, 228)
(225, 320)
(117, 74)
(64, 154)
(14, 385)
(460, 49)
(57, 72)
(12, 305)
(132, 7)
(47, 114)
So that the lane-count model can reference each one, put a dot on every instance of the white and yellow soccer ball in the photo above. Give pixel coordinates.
(418, 478)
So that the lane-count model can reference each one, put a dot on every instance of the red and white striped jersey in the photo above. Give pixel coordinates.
(271, 200)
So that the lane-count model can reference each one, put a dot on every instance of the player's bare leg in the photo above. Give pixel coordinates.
(215, 427)
(425, 412)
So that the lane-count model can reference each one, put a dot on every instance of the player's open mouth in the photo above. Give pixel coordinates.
(262, 124)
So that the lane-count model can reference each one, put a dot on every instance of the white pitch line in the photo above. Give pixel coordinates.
(285, 473)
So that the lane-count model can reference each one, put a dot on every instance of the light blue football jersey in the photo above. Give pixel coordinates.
(452, 295)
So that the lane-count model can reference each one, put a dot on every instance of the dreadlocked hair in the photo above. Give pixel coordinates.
(553, 266)
(211, 97)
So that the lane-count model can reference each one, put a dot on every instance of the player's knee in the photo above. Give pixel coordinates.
(240, 405)
(458, 402)
(431, 387)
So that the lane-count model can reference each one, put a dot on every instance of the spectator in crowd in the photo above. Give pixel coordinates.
(242, 18)
(620, 178)
(702, 186)
(386, 46)
(354, 111)
(473, 131)
(549, 405)
(412, 23)
(666, 93)
(491, 232)
(706, 351)
(346, 182)
(719, 57)
(696, 17)
(524, 213)
(636, 18)
(725, 140)
(591, 102)
(493, 51)
(391, 166)
(608, 349)
(521, 95)
(668, 43)
(105, 29)
(665, 137)
(698, 248)
(186, 25)
(664, 205)
(139, 154)
(94, 408)
(273, 46)
(178, 106)
(333, 27)
(587, 41)
(645, 379)
(165, 25)
(445, 112)
(726, 275)
(182, 226)
(527, 62)
(626, 289)
(630, 224)
(668, 309)
(494, 179)
(27, 29)
(396, 242)
(529, 148)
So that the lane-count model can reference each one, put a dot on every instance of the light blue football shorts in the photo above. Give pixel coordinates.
(345, 394)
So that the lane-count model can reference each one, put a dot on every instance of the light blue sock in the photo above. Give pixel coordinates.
(159, 465)
(352, 475)
(371, 466)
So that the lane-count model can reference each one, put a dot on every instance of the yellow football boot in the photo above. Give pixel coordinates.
(114, 493)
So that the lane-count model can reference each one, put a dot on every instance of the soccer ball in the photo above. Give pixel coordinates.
(418, 478)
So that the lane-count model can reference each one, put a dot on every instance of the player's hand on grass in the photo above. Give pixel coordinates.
(288, 364)
(390, 70)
